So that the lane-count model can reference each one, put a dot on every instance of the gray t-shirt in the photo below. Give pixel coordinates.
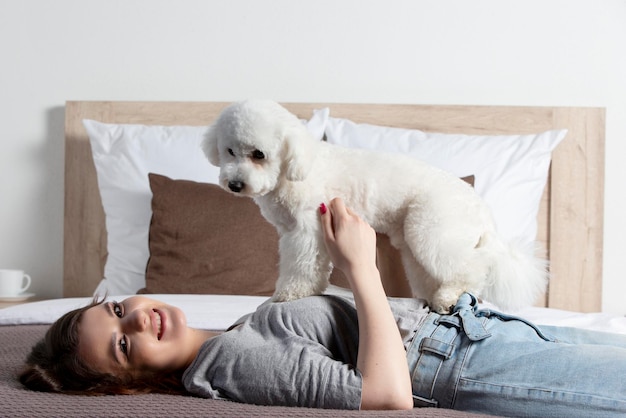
(299, 353)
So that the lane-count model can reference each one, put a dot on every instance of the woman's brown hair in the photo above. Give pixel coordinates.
(53, 365)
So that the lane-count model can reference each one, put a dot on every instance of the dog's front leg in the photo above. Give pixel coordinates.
(304, 266)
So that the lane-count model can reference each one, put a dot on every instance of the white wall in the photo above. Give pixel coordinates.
(531, 52)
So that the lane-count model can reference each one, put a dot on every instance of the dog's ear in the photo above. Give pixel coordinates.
(299, 153)
(209, 146)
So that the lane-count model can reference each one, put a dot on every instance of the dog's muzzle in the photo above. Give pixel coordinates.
(235, 186)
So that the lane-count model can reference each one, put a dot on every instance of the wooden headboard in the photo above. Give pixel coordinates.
(570, 218)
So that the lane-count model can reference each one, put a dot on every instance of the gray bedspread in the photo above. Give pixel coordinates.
(15, 400)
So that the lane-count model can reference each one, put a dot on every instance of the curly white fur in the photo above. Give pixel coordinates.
(443, 230)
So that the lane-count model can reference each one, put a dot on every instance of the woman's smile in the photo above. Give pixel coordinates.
(158, 323)
(147, 335)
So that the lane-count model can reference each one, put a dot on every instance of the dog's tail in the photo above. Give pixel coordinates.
(519, 274)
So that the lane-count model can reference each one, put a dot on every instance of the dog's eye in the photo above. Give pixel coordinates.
(230, 151)
(258, 155)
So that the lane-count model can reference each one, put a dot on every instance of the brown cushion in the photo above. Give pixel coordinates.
(469, 180)
(206, 240)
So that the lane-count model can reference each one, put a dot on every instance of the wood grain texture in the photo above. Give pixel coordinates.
(569, 221)
(576, 214)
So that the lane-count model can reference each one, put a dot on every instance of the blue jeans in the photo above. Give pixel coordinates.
(485, 361)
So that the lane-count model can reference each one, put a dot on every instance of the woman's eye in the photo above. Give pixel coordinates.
(117, 309)
(123, 345)
(230, 151)
(258, 155)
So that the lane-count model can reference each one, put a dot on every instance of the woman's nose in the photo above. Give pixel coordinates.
(136, 321)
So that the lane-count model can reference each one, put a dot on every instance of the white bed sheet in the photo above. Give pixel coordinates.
(218, 312)
(214, 312)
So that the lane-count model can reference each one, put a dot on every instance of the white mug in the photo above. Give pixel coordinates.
(13, 282)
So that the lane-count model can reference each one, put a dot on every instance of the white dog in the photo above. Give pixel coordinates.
(443, 230)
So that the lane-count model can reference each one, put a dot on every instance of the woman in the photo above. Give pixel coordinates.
(332, 352)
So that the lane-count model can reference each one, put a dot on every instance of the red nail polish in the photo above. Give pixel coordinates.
(323, 208)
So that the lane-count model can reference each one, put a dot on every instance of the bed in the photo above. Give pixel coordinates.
(557, 197)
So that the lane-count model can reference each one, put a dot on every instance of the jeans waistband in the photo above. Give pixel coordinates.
(435, 342)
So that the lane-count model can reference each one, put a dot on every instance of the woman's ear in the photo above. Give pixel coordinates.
(209, 146)
(300, 153)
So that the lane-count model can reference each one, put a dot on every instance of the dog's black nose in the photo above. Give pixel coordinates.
(235, 186)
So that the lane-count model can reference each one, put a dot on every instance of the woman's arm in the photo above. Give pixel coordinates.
(351, 243)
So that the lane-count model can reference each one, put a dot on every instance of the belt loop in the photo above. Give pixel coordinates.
(432, 345)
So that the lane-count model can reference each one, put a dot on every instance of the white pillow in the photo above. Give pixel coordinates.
(510, 170)
(123, 156)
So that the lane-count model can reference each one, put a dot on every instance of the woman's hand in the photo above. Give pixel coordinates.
(351, 243)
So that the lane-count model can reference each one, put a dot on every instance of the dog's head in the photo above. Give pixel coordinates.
(258, 144)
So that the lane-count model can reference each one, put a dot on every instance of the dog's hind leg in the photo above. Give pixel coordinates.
(422, 285)
(304, 266)
(449, 258)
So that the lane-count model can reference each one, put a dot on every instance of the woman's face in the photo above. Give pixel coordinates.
(136, 336)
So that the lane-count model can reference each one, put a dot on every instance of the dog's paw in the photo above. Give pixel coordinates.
(286, 296)
(444, 300)
(441, 309)
(282, 297)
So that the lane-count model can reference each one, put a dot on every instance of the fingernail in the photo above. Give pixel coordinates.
(323, 208)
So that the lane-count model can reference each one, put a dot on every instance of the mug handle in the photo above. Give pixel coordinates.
(28, 281)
